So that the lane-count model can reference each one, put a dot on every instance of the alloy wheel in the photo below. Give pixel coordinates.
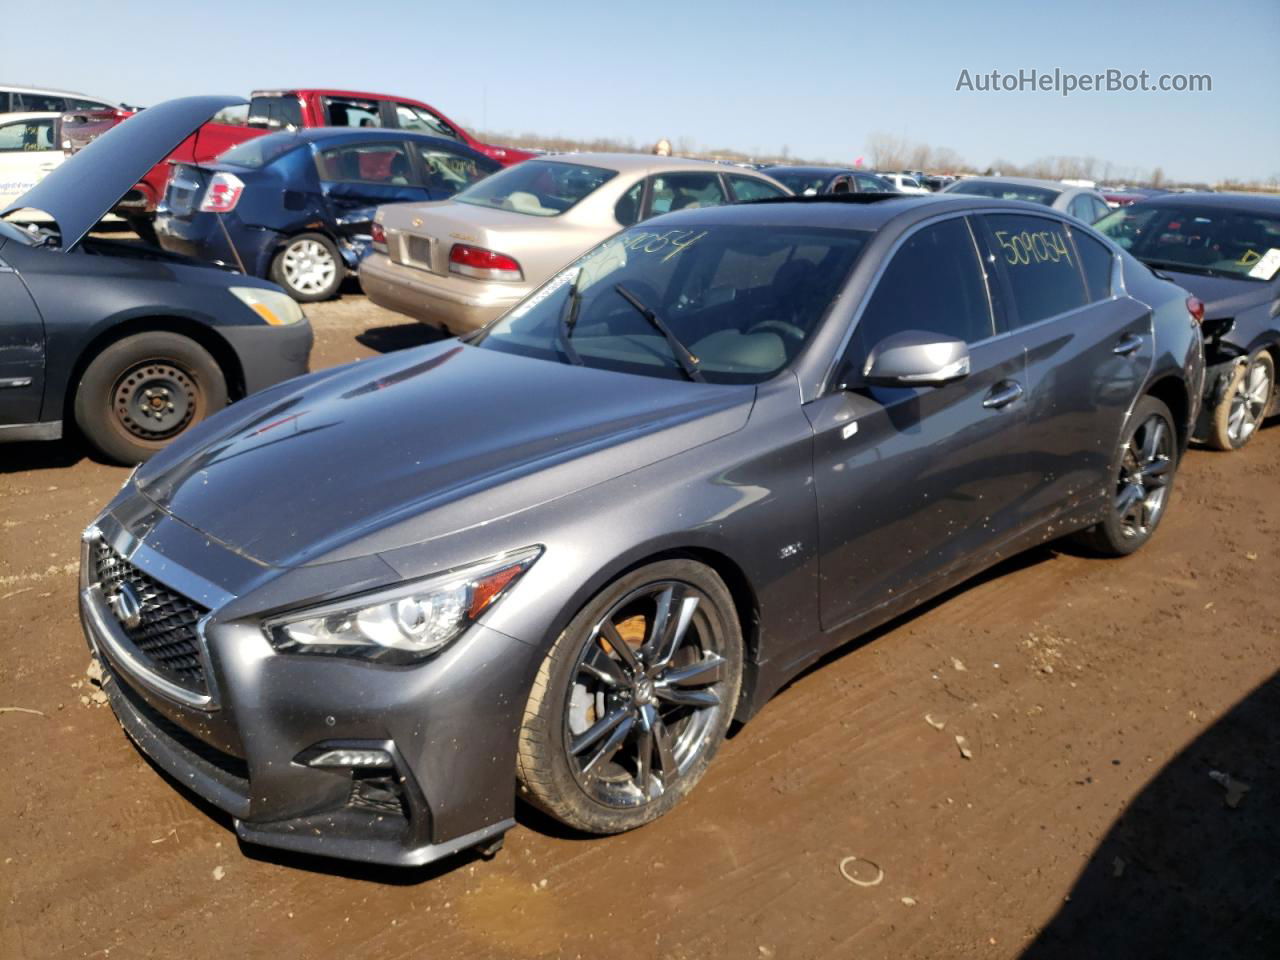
(1146, 469)
(308, 266)
(1249, 403)
(647, 693)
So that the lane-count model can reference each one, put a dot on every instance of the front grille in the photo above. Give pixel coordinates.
(165, 633)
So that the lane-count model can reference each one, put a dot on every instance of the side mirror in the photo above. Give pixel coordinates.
(916, 358)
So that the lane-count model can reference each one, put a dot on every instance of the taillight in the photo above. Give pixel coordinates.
(379, 237)
(482, 264)
(223, 193)
(1195, 307)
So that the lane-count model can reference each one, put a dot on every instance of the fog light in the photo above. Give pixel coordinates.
(351, 759)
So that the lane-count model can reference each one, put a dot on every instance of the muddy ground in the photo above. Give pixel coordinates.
(1096, 698)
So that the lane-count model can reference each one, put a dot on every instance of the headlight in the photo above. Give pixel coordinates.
(405, 624)
(277, 308)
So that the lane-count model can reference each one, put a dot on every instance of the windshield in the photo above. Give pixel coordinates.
(1005, 191)
(1225, 242)
(539, 188)
(801, 184)
(743, 300)
(260, 151)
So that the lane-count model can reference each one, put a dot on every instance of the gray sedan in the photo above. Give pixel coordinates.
(570, 550)
(1085, 204)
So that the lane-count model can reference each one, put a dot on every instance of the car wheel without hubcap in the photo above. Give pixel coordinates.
(1144, 470)
(1244, 404)
(634, 699)
(155, 401)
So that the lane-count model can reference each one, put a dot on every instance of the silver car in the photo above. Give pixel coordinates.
(1083, 203)
(459, 263)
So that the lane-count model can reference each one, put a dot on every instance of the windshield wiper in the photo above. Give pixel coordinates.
(688, 362)
(568, 320)
(1187, 268)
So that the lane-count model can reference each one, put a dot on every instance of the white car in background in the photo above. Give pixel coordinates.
(904, 182)
(39, 99)
(29, 149)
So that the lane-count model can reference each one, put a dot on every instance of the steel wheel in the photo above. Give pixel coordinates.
(1249, 402)
(647, 691)
(1145, 472)
(308, 266)
(155, 400)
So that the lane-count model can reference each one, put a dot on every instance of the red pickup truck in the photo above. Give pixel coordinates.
(273, 110)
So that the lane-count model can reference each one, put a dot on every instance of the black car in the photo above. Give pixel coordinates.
(132, 344)
(808, 181)
(1224, 248)
(571, 549)
(297, 207)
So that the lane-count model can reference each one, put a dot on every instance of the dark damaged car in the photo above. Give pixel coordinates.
(568, 551)
(297, 207)
(1224, 248)
(132, 345)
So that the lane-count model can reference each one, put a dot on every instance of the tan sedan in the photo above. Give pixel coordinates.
(459, 263)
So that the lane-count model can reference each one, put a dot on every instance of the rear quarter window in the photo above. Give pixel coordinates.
(1096, 261)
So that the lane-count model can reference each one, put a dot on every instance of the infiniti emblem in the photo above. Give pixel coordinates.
(127, 606)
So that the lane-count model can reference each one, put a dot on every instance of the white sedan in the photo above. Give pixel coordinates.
(29, 149)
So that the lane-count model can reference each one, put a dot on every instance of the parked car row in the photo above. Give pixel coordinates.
(699, 431)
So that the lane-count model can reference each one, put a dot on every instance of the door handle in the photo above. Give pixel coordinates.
(1128, 345)
(1002, 394)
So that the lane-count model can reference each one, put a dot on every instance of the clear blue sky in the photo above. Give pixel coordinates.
(817, 77)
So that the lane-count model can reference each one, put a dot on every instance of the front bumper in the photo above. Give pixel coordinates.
(450, 724)
(456, 304)
(269, 354)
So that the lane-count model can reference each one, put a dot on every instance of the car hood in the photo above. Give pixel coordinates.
(83, 189)
(1222, 296)
(419, 444)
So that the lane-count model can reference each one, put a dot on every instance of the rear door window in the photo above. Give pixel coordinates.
(752, 188)
(1039, 263)
(24, 136)
(411, 117)
(345, 112)
(384, 163)
(869, 184)
(38, 102)
(933, 283)
(685, 191)
(275, 112)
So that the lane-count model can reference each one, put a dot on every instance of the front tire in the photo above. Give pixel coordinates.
(308, 267)
(633, 699)
(141, 392)
(1141, 482)
(1244, 403)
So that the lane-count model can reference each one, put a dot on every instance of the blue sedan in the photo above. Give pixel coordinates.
(297, 207)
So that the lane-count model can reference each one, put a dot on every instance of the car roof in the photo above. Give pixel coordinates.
(811, 169)
(17, 88)
(315, 134)
(633, 162)
(322, 92)
(1025, 182)
(1249, 202)
(39, 115)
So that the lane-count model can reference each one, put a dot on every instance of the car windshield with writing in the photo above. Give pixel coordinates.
(539, 188)
(1002, 190)
(739, 303)
(260, 151)
(1234, 243)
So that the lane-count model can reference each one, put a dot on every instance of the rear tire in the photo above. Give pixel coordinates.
(1245, 403)
(309, 268)
(1141, 482)
(670, 703)
(141, 392)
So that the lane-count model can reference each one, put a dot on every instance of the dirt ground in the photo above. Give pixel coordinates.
(1096, 697)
